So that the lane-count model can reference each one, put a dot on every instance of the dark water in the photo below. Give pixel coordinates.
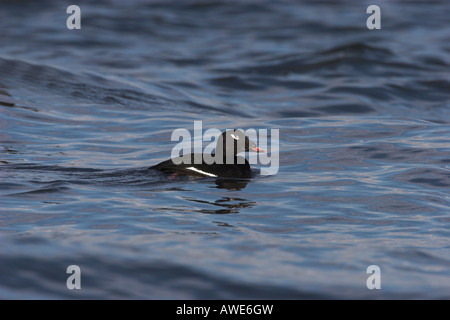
(364, 149)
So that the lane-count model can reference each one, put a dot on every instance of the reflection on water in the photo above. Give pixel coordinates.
(226, 204)
(231, 184)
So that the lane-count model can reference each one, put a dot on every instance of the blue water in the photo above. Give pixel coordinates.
(364, 174)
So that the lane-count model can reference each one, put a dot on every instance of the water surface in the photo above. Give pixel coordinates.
(364, 172)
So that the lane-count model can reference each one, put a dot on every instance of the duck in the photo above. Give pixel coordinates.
(224, 163)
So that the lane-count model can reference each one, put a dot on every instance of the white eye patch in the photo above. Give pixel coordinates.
(234, 137)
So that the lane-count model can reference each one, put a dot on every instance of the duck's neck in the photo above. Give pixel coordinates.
(232, 158)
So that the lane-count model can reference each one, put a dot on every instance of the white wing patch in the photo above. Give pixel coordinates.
(202, 172)
(234, 137)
